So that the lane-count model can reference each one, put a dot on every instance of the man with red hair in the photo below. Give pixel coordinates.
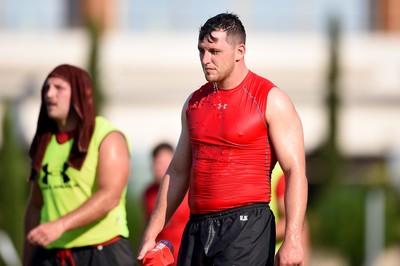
(80, 168)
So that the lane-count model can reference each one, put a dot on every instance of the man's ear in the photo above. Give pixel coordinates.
(240, 52)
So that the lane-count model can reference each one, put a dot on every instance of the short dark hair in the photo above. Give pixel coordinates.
(160, 147)
(228, 22)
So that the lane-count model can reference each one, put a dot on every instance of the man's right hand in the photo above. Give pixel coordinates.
(44, 234)
(146, 246)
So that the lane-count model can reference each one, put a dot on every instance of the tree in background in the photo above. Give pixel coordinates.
(14, 170)
(95, 33)
(340, 186)
(133, 203)
(337, 210)
(333, 164)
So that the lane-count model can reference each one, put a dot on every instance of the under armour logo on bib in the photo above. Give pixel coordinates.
(63, 173)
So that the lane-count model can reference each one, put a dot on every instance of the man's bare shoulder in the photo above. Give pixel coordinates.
(278, 100)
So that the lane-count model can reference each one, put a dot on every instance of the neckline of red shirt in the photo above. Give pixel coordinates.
(63, 137)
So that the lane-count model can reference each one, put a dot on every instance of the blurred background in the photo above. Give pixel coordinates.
(339, 61)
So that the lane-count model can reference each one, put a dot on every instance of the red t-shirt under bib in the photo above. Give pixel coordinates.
(232, 155)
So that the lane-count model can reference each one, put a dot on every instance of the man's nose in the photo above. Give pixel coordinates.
(50, 92)
(206, 58)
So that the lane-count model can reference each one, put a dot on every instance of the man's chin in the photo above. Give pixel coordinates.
(210, 78)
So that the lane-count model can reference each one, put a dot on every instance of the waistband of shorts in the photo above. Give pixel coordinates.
(98, 246)
(253, 206)
(108, 242)
(66, 254)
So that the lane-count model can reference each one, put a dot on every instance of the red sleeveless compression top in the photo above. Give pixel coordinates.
(232, 155)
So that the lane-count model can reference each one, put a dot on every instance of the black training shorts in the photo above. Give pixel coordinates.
(118, 253)
(240, 236)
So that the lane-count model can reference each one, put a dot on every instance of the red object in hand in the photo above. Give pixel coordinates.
(160, 255)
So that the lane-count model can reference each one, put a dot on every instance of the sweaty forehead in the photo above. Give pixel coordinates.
(214, 36)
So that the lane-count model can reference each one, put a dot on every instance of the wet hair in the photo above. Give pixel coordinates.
(82, 103)
(160, 147)
(228, 22)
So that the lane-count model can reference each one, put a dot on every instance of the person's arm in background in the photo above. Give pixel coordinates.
(32, 219)
(148, 201)
(286, 133)
(280, 198)
(172, 190)
(112, 177)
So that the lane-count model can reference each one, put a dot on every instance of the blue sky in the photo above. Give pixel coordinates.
(266, 15)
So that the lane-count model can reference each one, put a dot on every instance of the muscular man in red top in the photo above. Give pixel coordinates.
(234, 129)
(230, 144)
